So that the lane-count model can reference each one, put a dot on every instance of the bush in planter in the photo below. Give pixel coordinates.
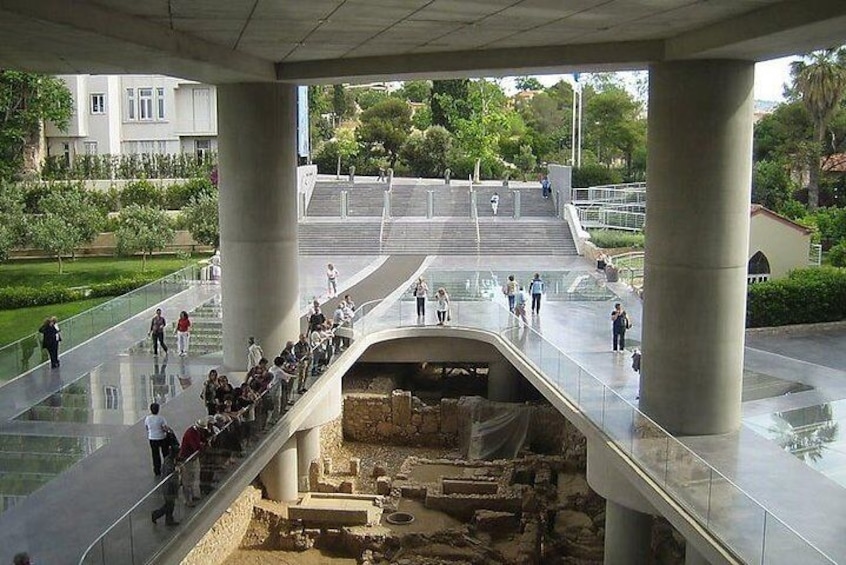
(119, 286)
(179, 195)
(615, 239)
(806, 296)
(143, 193)
(25, 296)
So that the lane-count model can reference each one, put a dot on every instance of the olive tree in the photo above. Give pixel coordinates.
(145, 229)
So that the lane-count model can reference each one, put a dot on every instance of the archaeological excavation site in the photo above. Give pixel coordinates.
(426, 466)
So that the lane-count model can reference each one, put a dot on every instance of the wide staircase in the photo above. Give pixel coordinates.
(408, 199)
(451, 232)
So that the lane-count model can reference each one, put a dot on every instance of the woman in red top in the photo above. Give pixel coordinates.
(183, 333)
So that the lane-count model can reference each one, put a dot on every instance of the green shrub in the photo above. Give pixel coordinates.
(613, 239)
(837, 255)
(143, 193)
(806, 296)
(26, 296)
(119, 286)
(179, 195)
(595, 175)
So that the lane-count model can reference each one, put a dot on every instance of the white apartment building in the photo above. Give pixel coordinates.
(133, 114)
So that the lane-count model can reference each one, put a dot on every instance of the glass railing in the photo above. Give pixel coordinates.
(25, 354)
(744, 525)
(133, 538)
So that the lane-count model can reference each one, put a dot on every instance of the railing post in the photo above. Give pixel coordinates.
(430, 204)
(516, 204)
(386, 204)
(474, 213)
(344, 204)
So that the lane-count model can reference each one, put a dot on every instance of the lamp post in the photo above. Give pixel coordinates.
(576, 139)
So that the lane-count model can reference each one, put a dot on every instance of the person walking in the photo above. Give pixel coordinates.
(157, 429)
(170, 489)
(332, 275)
(316, 317)
(510, 290)
(183, 333)
(545, 186)
(619, 324)
(536, 289)
(443, 306)
(495, 202)
(520, 300)
(421, 290)
(50, 340)
(157, 331)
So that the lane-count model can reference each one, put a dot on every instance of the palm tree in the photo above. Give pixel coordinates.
(820, 80)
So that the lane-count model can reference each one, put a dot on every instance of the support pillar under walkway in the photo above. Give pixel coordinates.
(503, 381)
(628, 535)
(258, 216)
(308, 450)
(699, 170)
(280, 475)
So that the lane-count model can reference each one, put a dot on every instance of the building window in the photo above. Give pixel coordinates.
(112, 397)
(145, 103)
(160, 103)
(90, 147)
(130, 103)
(98, 103)
(759, 269)
(202, 147)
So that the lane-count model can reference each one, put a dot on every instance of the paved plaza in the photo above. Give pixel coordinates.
(111, 467)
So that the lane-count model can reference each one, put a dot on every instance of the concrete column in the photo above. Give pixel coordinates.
(344, 203)
(430, 204)
(308, 449)
(280, 475)
(628, 535)
(517, 205)
(699, 170)
(258, 215)
(503, 381)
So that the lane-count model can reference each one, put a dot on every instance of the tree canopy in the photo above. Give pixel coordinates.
(388, 125)
(27, 100)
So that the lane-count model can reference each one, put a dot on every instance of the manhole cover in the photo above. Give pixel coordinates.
(400, 518)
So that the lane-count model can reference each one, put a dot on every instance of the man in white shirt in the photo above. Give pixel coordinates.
(157, 429)
(279, 385)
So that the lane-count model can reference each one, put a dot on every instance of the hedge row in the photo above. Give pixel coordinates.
(806, 296)
(25, 296)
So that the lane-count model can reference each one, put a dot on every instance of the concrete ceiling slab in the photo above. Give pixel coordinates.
(296, 40)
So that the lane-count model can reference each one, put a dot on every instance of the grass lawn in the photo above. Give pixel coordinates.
(15, 324)
(85, 271)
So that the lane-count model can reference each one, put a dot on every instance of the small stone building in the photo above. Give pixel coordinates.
(776, 245)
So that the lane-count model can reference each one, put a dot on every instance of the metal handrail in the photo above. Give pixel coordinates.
(155, 489)
(716, 475)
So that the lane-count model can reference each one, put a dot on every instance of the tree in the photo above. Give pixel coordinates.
(527, 83)
(613, 125)
(12, 227)
(367, 97)
(416, 90)
(68, 219)
(820, 80)
(387, 124)
(771, 185)
(526, 161)
(27, 100)
(143, 228)
(202, 218)
(448, 102)
(426, 153)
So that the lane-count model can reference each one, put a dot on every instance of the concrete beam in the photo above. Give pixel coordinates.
(779, 29)
(138, 45)
(477, 63)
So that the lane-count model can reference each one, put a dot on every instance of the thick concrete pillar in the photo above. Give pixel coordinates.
(699, 170)
(308, 449)
(628, 535)
(503, 381)
(280, 475)
(258, 215)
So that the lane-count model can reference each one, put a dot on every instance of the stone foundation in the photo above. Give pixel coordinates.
(226, 534)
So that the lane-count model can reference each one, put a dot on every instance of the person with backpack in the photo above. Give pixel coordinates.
(536, 289)
(619, 324)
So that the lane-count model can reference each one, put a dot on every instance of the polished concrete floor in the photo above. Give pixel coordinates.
(84, 460)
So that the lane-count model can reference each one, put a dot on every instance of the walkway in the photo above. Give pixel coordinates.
(58, 521)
